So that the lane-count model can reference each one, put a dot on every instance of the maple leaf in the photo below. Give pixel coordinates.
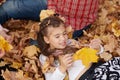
(19, 29)
(115, 28)
(87, 55)
(106, 56)
(110, 43)
(4, 45)
(95, 43)
(31, 51)
(69, 31)
(16, 65)
(103, 16)
(20, 76)
(33, 31)
(9, 75)
(3, 63)
(46, 13)
(33, 66)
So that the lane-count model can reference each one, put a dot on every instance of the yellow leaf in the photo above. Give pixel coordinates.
(46, 13)
(16, 65)
(87, 55)
(4, 45)
(115, 28)
(19, 74)
(30, 51)
(3, 63)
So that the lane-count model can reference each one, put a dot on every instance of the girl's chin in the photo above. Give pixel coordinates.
(62, 47)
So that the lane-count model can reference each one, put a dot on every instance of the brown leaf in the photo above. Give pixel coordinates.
(30, 51)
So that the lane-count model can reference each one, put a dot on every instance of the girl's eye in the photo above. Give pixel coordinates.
(57, 36)
(64, 33)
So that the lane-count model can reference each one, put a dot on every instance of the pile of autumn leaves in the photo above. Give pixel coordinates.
(24, 56)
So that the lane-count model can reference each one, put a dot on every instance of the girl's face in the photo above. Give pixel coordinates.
(57, 37)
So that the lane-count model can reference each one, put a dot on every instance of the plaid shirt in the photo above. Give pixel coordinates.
(78, 13)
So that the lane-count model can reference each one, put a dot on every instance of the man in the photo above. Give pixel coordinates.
(3, 33)
(80, 14)
(21, 9)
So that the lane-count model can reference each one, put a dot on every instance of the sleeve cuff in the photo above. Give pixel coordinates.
(60, 74)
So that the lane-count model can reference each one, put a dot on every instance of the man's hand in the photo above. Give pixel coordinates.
(2, 53)
(2, 1)
(3, 33)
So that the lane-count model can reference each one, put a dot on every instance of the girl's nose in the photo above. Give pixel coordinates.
(63, 38)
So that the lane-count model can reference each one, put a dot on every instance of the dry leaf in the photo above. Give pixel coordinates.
(31, 51)
(95, 43)
(109, 11)
(3, 63)
(111, 43)
(106, 56)
(9, 75)
(4, 45)
(46, 13)
(20, 76)
(16, 65)
(116, 28)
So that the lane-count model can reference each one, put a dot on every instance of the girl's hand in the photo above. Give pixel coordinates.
(58, 52)
(66, 61)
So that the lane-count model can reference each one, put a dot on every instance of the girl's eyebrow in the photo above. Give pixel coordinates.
(60, 33)
(56, 34)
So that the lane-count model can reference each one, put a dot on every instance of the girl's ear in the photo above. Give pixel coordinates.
(46, 39)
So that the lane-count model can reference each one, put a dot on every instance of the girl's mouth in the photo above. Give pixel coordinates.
(63, 44)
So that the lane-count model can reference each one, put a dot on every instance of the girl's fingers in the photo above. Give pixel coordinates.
(68, 55)
(58, 52)
(67, 60)
(69, 65)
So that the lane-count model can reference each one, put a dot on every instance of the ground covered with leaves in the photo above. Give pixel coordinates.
(22, 61)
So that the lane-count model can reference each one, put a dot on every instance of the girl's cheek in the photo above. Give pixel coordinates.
(66, 37)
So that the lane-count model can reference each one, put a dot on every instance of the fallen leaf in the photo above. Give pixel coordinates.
(30, 51)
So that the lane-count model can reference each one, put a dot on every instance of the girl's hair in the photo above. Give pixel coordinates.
(51, 21)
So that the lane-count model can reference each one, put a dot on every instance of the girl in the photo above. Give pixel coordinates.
(52, 40)
(57, 65)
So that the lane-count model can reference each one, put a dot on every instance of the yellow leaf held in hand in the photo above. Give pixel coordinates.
(4, 45)
(87, 55)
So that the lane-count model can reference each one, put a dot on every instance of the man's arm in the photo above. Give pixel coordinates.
(2, 1)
